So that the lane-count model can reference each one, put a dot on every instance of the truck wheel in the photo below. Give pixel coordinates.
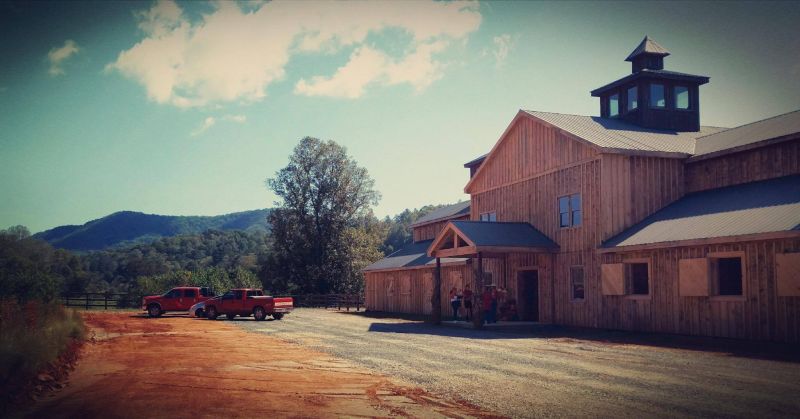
(277, 316)
(199, 312)
(211, 313)
(259, 313)
(230, 316)
(153, 310)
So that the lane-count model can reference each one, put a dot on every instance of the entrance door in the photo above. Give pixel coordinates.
(528, 286)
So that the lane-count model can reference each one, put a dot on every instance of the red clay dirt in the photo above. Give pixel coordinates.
(183, 367)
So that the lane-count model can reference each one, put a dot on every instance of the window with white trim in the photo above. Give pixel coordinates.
(489, 216)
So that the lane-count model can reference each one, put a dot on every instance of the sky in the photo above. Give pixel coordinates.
(187, 108)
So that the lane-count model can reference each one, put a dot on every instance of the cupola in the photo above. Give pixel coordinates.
(650, 96)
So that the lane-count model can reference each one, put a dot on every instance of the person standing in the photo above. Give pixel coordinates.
(468, 302)
(455, 302)
(494, 305)
(486, 300)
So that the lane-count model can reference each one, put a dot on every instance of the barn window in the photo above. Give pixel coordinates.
(657, 96)
(633, 98)
(613, 105)
(638, 279)
(577, 283)
(727, 276)
(681, 97)
(489, 216)
(569, 210)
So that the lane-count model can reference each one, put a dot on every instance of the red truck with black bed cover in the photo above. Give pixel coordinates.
(248, 302)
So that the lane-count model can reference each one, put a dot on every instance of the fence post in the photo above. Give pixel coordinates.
(105, 298)
(87, 300)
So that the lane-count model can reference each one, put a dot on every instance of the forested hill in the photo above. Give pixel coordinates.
(128, 227)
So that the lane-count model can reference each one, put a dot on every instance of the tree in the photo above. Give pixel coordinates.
(320, 229)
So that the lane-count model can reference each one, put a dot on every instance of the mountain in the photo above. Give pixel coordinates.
(128, 227)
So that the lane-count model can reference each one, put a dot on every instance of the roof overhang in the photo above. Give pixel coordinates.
(702, 242)
(645, 74)
(455, 242)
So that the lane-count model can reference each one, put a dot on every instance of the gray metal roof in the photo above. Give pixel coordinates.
(443, 213)
(409, 256)
(615, 135)
(476, 160)
(484, 233)
(766, 129)
(757, 207)
(647, 73)
(648, 46)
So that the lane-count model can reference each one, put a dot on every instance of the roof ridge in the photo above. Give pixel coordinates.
(749, 123)
(558, 113)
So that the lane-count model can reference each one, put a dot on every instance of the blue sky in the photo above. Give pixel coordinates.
(186, 108)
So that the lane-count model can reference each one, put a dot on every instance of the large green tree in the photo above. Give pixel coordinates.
(323, 229)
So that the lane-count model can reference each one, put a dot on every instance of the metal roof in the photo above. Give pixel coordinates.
(647, 73)
(766, 129)
(757, 207)
(647, 46)
(409, 256)
(503, 234)
(614, 135)
(476, 160)
(443, 213)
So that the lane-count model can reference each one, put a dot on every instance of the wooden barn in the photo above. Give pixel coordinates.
(640, 219)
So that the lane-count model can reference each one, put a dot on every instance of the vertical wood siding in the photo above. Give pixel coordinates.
(429, 231)
(747, 166)
(759, 315)
(635, 187)
(529, 148)
(410, 290)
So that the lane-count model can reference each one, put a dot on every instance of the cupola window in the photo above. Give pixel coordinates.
(633, 98)
(657, 96)
(681, 97)
(613, 105)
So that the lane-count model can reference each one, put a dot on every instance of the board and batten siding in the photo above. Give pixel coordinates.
(634, 187)
(429, 231)
(529, 148)
(762, 163)
(760, 314)
(410, 290)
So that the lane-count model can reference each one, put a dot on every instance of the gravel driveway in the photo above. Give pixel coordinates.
(554, 373)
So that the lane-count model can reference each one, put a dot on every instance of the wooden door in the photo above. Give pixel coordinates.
(528, 295)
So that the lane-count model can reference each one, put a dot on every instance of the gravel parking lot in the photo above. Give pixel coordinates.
(560, 373)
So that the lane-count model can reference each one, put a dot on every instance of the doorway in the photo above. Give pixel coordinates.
(528, 286)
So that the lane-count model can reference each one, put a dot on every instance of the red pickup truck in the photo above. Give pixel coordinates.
(247, 302)
(176, 299)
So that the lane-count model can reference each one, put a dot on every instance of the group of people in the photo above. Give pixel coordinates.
(494, 301)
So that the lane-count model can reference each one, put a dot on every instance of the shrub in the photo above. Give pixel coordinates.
(32, 334)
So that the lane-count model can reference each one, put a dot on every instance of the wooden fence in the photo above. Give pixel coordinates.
(105, 301)
(98, 300)
(337, 301)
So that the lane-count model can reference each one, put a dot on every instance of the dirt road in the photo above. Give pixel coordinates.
(183, 367)
(559, 373)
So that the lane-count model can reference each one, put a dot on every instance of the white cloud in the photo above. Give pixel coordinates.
(57, 56)
(211, 121)
(236, 118)
(207, 123)
(234, 55)
(503, 44)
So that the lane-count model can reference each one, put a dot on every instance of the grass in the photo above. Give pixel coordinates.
(32, 335)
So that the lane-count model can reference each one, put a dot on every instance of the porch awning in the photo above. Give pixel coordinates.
(468, 238)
